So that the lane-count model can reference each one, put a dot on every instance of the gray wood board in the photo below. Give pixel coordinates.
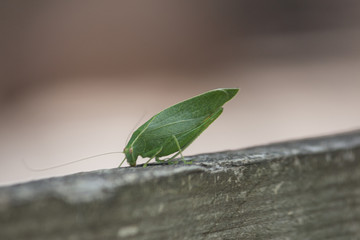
(304, 189)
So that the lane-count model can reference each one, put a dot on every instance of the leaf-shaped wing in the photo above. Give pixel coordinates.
(179, 119)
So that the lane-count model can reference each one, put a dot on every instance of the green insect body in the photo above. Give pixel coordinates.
(175, 128)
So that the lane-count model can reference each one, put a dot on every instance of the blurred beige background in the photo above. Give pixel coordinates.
(77, 76)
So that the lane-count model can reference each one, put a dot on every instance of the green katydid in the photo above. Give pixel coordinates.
(172, 130)
(175, 128)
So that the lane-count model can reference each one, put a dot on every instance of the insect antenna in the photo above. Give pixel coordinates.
(65, 164)
(135, 126)
(81, 159)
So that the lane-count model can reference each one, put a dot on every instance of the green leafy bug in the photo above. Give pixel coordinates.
(175, 128)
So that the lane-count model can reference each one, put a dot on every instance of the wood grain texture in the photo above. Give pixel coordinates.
(305, 189)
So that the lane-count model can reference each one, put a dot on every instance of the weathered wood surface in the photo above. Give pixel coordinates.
(307, 189)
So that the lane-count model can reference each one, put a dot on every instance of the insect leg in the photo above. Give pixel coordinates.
(180, 152)
(122, 162)
(178, 145)
(152, 157)
(169, 160)
(157, 159)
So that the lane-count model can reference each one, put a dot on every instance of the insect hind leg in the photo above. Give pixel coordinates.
(179, 152)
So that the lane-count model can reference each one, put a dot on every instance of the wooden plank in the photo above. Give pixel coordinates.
(306, 189)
